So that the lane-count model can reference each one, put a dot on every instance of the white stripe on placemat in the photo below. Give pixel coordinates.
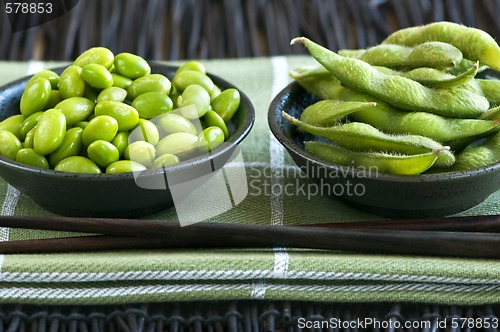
(12, 195)
(74, 293)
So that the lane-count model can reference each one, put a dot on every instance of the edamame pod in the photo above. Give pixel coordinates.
(49, 131)
(479, 156)
(318, 81)
(398, 91)
(491, 114)
(327, 112)
(388, 119)
(490, 89)
(359, 136)
(475, 44)
(383, 162)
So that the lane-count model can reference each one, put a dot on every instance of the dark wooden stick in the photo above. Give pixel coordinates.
(454, 244)
(161, 228)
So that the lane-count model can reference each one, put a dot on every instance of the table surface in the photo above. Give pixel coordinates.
(272, 274)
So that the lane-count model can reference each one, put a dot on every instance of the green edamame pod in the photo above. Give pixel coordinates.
(71, 83)
(479, 156)
(95, 55)
(475, 44)
(35, 96)
(490, 89)
(97, 76)
(131, 65)
(13, 124)
(71, 146)
(396, 90)
(76, 109)
(227, 103)
(318, 81)
(124, 166)
(49, 131)
(360, 136)
(327, 112)
(149, 83)
(29, 156)
(9, 144)
(383, 162)
(388, 119)
(77, 164)
(491, 114)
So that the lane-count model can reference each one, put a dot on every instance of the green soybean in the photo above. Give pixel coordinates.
(360, 136)
(76, 109)
(48, 74)
(49, 131)
(121, 142)
(186, 78)
(164, 161)
(30, 157)
(145, 131)
(180, 144)
(29, 123)
(328, 112)
(14, 124)
(124, 166)
(35, 96)
(152, 104)
(383, 162)
(112, 93)
(9, 144)
(102, 153)
(102, 127)
(71, 83)
(28, 140)
(149, 83)
(97, 76)
(95, 55)
(210, 138)
(126, 116)
(192, 65)
(120, 81)
(71, 145)
(131, 66)
(142, 152)
(54, 99)
(227, 103)
(475, 44)
(194, 102)
(78, 164)
(318, 81)
(212, 118)
(442, 129)
(399, 91)
(175, 123)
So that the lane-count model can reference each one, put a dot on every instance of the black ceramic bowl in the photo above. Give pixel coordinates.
(388, 195)
(117, 195)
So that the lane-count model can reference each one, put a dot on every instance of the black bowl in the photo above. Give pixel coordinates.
(116, 195)
(426, 195)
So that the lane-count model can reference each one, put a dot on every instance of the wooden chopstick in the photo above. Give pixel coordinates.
(138, 234)
(160, 228)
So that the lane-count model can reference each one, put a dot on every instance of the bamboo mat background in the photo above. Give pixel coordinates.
(187, 29)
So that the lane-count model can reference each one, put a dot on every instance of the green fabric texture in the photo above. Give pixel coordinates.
(264, 274)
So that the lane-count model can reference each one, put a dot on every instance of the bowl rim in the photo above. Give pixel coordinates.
(233, 141)
(290, 145)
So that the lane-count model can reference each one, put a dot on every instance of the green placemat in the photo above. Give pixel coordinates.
(274, 274)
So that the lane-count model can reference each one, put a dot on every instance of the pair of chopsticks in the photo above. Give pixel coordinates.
(476, 236)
